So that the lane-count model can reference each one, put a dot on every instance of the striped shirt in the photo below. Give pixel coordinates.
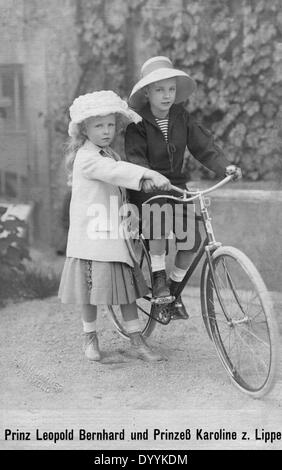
(163, 125)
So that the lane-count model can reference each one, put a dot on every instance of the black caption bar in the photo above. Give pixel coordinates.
(131, 458)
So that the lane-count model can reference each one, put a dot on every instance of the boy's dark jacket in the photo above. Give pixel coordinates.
(145, 145)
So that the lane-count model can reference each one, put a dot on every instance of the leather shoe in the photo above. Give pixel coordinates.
(142, 350)
(160, 288)
(179, 311)
(91, 346)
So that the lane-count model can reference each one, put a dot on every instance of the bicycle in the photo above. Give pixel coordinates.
(236, 305)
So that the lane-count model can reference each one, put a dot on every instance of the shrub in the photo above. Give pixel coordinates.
(13, 243)
(19, 280)
(13, 252)
(38, 283)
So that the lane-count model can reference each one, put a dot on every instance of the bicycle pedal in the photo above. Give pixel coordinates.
(163, 300)
(162, 313)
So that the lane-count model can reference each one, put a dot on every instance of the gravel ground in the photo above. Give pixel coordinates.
(46, 381)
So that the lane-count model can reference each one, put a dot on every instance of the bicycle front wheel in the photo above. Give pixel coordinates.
(144, 305)
(238, 311)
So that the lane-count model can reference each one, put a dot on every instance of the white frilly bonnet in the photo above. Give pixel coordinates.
(99, 103)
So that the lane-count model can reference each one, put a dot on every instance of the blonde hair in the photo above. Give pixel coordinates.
(72, 146)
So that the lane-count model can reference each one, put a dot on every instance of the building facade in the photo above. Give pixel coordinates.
(38, 72)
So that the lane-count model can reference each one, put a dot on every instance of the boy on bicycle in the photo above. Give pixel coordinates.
(159, 142)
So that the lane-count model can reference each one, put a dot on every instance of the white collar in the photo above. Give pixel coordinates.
(88, 145)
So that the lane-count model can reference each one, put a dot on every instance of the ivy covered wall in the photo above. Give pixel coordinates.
(233, 49)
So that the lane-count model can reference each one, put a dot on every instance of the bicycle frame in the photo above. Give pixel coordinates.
(209, 244)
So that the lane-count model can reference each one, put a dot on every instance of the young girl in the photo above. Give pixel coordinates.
(99, 268)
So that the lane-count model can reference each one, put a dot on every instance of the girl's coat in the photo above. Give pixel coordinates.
(97, 195)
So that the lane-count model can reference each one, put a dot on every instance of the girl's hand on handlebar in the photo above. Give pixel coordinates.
(147, 186)
(154, 180)
(235, 171)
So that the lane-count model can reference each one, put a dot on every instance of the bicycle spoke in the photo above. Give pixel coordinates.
(238, 354)
(257, 337)
(259, 313)
(257, 357)
(248, 302)
(236, 360)
(248, 331)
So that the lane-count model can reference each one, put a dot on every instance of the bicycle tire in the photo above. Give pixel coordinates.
(229, 317)
(144, 305)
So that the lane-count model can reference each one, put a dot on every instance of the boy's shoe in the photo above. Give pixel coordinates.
(179, 311)
(160, 288)
(142, 350)
(91, 346)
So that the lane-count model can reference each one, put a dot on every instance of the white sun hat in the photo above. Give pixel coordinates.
(99, 103)
(156, 69)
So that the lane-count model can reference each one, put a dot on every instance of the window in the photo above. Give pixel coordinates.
(13, 136)
(11, 98)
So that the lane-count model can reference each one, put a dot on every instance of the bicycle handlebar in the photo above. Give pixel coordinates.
(195, 194)
(208, 190)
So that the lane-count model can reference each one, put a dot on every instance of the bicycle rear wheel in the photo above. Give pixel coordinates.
(144, 305)
(238, 311)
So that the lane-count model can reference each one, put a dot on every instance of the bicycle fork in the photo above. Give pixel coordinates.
(211, 246)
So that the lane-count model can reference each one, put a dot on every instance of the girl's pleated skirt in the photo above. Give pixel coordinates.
(100, 283)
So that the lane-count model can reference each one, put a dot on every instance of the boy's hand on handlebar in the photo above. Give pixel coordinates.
(235, 171)
(154, 180)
